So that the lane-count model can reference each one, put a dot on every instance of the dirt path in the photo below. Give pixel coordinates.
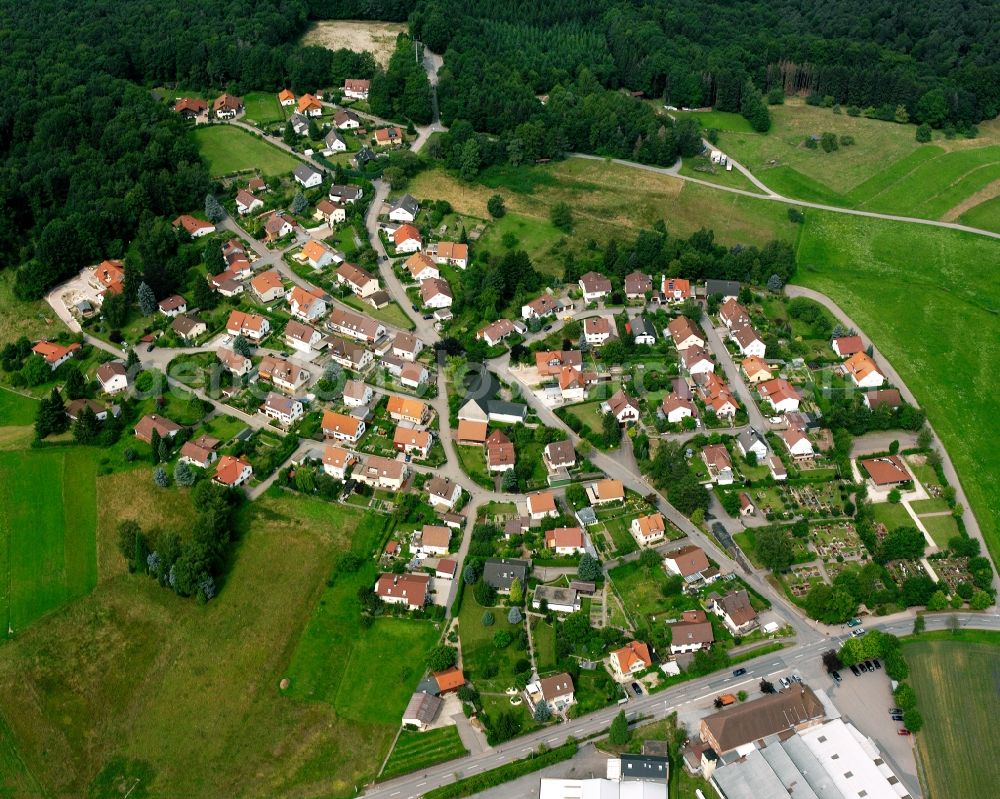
(988, 192)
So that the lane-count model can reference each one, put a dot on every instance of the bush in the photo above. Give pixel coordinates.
(924, 133)
(502, 639)
(442, 657)
(488, 619)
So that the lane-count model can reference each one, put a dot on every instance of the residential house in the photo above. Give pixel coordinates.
(638, 285)
(362, 158)
(406, 346)
(421, 267)
(113, 377)
(573, 383)
(675, 409)
(443, 492)
(188, 327)
(286, 97)
(407, 410)
(278, 226)
(318, 254)
(605, 491)
(630, 660)
(190, 107)
(299, 123)
(201, 453)
(716, 395)
(648, 530)
(556, 599)
(345, 193)
(594, 286)
(676, 289)
(409, 590)
(751, 441)
(382, 473)
(246, 203)
(689, 562)
(733, 315)
(727, 289)
(355, 325)
(500, 573)
(111, 275)
(341, 427)
(500, 455)
(887, 397)
(624, 408)
(346, 120)
(267, 286)
(756, 370)
(231, 471)
(307, 176)
(421, 710)
(692, 633)
(306, 305)
(358, 280)
(862, 370)
(450, 679)
(166, 428)
(330, 212)
(796, 443)
(746, 504)
(449, 252)
(434, 540)
(697, 360)
(309, 106)
(406, 238)
(542, 504)
(414, 375)
(886, 471)
(195, 228)
(436, 293)
(597, 330)
(227, 284)
(685, 333)
(559, 455)
(227, 106)
(720, 465)
(391, 136)
(540, 307)
(846, 346)
(736, 611)
(413, 442)
(749, 341)
(556, 690)
(565, 540)
(55, 355)
(234, 362)
(471, 432)
(779, 394)
(336, 461)
(248, 325)
(357, 394)
(302, 337)
(641, 330)
(404, 209)
(285, 410)
(356, 88)
(777, 468)
(334, 142)
(286, 375)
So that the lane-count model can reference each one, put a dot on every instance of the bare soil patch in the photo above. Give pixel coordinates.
(988, 192)
(379, 38)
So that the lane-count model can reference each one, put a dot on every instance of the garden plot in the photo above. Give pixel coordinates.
(802, 578)
(837, 541)
(902, 570)
(952, 571)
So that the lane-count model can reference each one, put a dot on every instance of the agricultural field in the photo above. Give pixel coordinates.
(952, 676)
(18, 414)
(417, 750)
(844, 257)
(48, 515)
(378, 38)
(118, 679)
(885, 169)
(230, 149)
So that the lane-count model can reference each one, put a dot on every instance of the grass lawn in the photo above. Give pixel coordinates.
(952, 679)
(34, 319)
(933, 505)
(473, 462)
(845, 257)
(544, 638)
(391, 314)
(589, 413)
(720, 120)
(229, 149)
(417, 750)
(639, 589)
(18, 415)
(477, 645)
(48, 516)
(620, 534)
(985, 215)
(892, 515)
(263, 108)
(941, 528)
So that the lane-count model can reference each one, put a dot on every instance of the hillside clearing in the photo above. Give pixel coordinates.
(229, 149)
(378, 38)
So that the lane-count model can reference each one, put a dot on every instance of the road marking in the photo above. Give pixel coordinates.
(395, 793)
(421, 783)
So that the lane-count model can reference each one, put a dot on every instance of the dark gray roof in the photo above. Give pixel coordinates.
(500, 573)
(364, 155)
(407, 202)
(642, 327)
(304, 172)
(501, 408)
(645, 767)
(724, 287)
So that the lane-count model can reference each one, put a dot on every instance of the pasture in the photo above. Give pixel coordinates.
(928, 342)
(378, 38)
(954, 678)
(48, 512)
(264, 108)
(230, 149)
(417, 750)
(17, 415)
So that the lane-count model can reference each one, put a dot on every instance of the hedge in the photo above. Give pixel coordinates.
(502, 774)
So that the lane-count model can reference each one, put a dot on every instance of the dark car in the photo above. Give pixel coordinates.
(863, 667)
(739, 672)
(150, 348)
(869, 666)
(836, 676)
(416, 307)
(876, 664)
(896, 717)
(428, 316)
(547, 328)
(855, 670)
(637, 688)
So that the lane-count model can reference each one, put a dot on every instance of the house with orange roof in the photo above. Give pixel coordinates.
(111, 274)
(846, 346)
(676, 289)
(471, 432)
(190, 107)
(286, 97)
(755, 370)
(886, 471)
(649, 529)
(336, 461)
(252, 326)
(195, 228)
(309, 106)
(421, 267)
(412, 442)
(797, 444)
(779, 394)
(565, 540)
(391, 136)
(631, 659)
(231, 471)
(604, 491)
(407, 410)
(238, 364)
(317, 254)
(449, 680)
(685, 333)
(449, 252)
(406, 238)
(409, 590)
(542, 504)
(306, 305)
(341, 427)
(55, 355)
(862, 370)
(267, 286)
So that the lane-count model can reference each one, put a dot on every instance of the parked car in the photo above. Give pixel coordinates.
(836, 676)
(869, 666)
(855, 670)
(863, 667)
(903, 731)
(858, 632)
(416, 307)
(739, 672)
(896, 717)
(786, 683)
(150, 348)
(547, 328)
(876, 664)
(637, 688)
(854, 623)
(795, 678)
(895, 710)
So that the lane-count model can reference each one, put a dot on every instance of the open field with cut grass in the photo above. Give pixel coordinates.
(720, 120)
(985, 215)
(47, 532)
(264, 108)
(17, 413)
(230, 149)
(378, 38)
(132, 671)
(873, 270)
(956, 685)
(417, 750)
(391, 314)
(941, 528)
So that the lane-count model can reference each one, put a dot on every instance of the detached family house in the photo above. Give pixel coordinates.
(341, 427)
(409, 590)
(630, 660)
(306, 305)
(308, 177)
(648, 530)
(356, 88)
(404, 209)
(113, 377)
(594, 286)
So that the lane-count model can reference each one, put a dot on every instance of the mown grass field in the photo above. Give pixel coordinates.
(264, 108)
(191, 693)
(417, 750)
(930, 302)
(956, 685)
(48, 511)
(230, 149)
(17, 413)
